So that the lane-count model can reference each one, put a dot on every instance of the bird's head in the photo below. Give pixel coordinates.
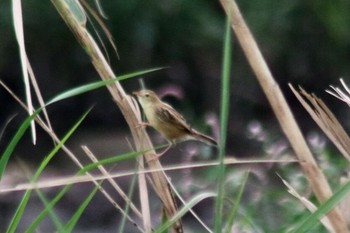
(146, 97)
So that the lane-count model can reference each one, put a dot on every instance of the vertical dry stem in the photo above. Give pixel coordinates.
(140, 137)
(283, 113)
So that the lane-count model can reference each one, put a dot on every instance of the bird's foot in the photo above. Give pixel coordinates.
(158, 155)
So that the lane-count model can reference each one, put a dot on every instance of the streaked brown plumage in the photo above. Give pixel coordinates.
(167, 121)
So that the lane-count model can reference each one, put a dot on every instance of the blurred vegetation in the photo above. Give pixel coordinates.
(304, 42)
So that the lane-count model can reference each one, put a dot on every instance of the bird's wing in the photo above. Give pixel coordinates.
(168, 114)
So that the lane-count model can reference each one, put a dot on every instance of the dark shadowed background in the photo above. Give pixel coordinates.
(303, 42)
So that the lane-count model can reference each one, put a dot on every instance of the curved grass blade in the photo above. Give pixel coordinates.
(48, 208)
(14, 141)
(238, 200)
(54, 217)
(92, 86)
(6, 123)
(85, 169)
(100, 9)
(110, 160)
(313, 219)
(184, 210)
(73, 221)
(127, 206)
(22, 206)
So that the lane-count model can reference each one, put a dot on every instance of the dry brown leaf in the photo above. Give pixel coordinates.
(308, 204)
(325, 119)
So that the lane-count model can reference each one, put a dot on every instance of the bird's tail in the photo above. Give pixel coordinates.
(204, 138)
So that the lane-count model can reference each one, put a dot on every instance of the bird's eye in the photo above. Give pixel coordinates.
(147, 95)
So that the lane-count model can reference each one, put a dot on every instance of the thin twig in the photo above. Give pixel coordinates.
(85, 178)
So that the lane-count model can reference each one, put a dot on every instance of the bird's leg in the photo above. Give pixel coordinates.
(164, 151)
(158, 155)
(171, 144)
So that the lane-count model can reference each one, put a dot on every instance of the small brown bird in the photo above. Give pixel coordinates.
(167, 121)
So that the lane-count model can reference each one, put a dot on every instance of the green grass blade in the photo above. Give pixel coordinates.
(13, 143)
(115, 159)
(184, 210)
(68, 94)
(55, 219)
(22, 206)
(110, 160)
(85, 169)
(225, 97)
(313, 219)
(127, 206)
(238, 200)
(47, 209)
(19, 212)
(73, 221)
(92, 86)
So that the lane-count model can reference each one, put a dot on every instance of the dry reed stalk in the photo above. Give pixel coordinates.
(282, 111)
(126, 106)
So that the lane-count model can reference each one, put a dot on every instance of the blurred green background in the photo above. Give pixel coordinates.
(303, 42)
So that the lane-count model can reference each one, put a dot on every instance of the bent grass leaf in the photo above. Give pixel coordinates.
(313, 219)
(92, 86)
(54, 217)
(14, 141)
(22, 206)
(73, 221)
(184, 210)
(83, 170)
